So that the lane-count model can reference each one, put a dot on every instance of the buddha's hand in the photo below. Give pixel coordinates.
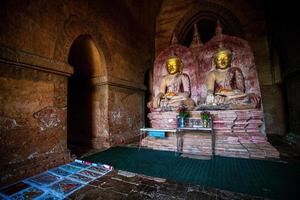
(150, 104)
(254, 98)
(210, 99)
(226, 92)
(156, 100)
(170, 94)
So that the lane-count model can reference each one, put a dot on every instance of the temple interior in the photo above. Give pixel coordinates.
(79, 77)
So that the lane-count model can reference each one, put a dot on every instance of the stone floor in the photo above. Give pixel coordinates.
(125, 185)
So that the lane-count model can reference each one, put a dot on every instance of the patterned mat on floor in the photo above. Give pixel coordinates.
(264, 178)
(57, 183)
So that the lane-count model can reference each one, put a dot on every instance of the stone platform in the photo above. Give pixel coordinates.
(239, 133)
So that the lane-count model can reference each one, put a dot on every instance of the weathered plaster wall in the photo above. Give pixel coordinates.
(252, 22)
(33, 113)
(275, 114)
(35, 40)
(125, 110)
(284, 43)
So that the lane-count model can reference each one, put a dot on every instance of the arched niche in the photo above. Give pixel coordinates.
(205, 15)
(83, 96)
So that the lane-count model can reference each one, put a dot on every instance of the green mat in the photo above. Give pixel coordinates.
(256, 177)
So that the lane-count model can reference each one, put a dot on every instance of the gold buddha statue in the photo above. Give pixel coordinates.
(174, 88)
(226, 84)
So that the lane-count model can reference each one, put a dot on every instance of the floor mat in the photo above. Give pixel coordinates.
(57, 183)
(271, 179)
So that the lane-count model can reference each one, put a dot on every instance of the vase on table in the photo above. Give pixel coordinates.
(181, 122)
(205, 123)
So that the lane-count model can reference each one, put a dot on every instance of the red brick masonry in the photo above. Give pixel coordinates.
(239, 133)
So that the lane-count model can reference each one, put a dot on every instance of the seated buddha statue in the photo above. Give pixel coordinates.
(174, 88)
(226, 84)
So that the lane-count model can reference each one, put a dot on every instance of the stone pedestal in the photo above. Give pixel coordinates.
(239, 133)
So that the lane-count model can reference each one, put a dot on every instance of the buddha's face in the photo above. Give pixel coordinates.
(173, 65)
(223, 60)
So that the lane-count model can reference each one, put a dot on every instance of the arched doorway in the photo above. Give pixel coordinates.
(82, 95)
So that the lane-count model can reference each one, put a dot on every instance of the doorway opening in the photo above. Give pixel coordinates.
(85, 59)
